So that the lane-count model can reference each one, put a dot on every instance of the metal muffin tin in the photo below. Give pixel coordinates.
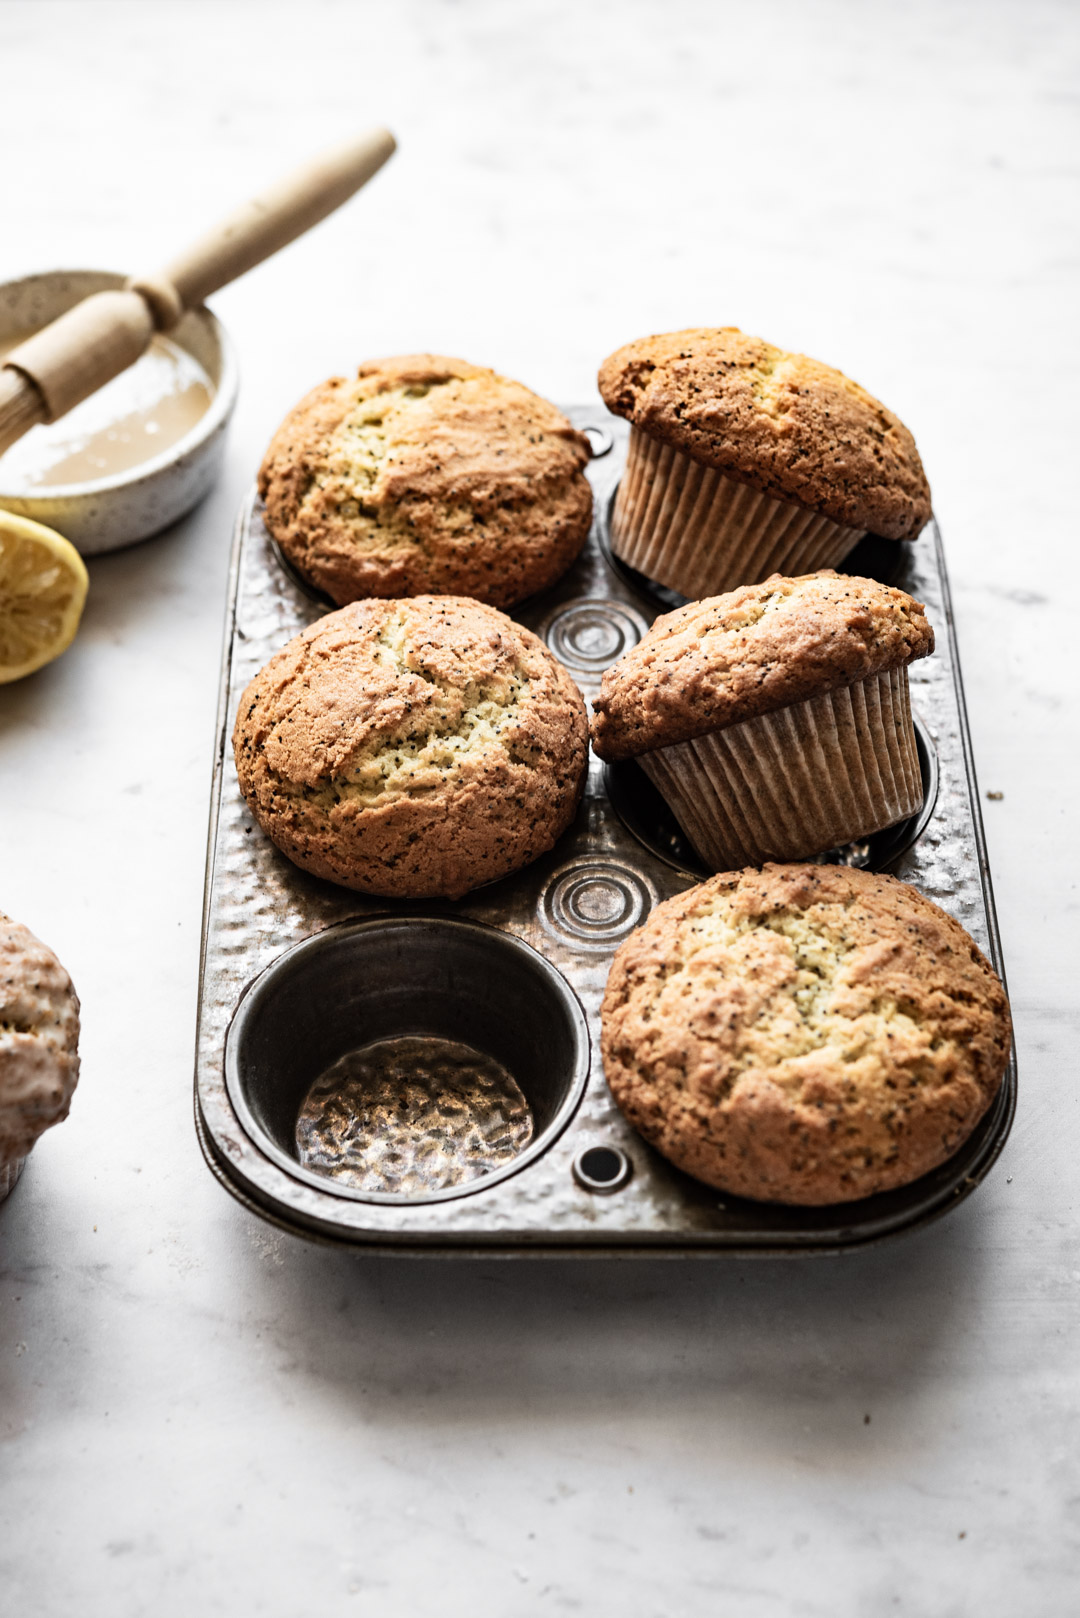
(587, 1184)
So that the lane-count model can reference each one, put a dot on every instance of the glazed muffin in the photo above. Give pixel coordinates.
(427, 475)
(39, 1045)
(775, 720)
(745, 460)
(804, 1034)
(412, 748)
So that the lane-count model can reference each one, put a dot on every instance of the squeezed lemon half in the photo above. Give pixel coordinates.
(42, 590)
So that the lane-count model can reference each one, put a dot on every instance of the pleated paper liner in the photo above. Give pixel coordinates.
(9, 1173)
(692, 529)
(789, 785)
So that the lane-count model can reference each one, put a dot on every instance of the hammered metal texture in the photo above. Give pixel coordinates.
(574, 905)
(411, 1116)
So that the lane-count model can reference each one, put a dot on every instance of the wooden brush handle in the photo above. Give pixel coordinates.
(272, 220)
(56, 369)
(82, 350)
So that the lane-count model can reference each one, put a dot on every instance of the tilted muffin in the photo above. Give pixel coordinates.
(775, 720)
(804, 1034)
(746, 460)
(412, 748)
(427, 475)
(39, 1045)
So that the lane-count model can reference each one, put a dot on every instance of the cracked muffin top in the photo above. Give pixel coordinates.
(412, 748)
(39, 1040)
(804, 1034)
(786, 425)
(716, 662)
(427, 475)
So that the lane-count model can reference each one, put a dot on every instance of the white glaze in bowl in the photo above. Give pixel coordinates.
(112, 512)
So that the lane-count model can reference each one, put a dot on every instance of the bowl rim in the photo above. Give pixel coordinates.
(220, 409)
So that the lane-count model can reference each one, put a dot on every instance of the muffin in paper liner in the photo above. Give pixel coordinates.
(691, 528)
(746, 459)
(774, 719)
(793, 783)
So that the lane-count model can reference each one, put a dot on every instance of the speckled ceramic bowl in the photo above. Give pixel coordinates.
(116, 511)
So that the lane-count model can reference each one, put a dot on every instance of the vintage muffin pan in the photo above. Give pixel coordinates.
(297, 973)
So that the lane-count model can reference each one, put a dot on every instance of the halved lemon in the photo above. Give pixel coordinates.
(42, 590)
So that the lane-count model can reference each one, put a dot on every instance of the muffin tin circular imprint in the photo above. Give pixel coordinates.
(306, 985)
(596, 903)
(591, 634)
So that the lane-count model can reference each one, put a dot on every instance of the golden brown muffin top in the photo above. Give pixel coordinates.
(39, 1039)
(716, 662)
(785, 424)
(427, 474)
(803, 1033)
(420, 747)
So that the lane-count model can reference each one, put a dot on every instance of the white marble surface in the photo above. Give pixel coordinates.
(200, 1415)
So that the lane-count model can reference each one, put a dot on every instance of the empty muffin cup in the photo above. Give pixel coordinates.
(407, 1058)
(790, 784)
(693, 529)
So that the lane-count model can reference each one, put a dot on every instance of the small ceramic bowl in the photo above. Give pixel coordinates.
(115, 511)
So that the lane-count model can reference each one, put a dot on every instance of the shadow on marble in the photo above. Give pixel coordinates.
(452, 1343)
